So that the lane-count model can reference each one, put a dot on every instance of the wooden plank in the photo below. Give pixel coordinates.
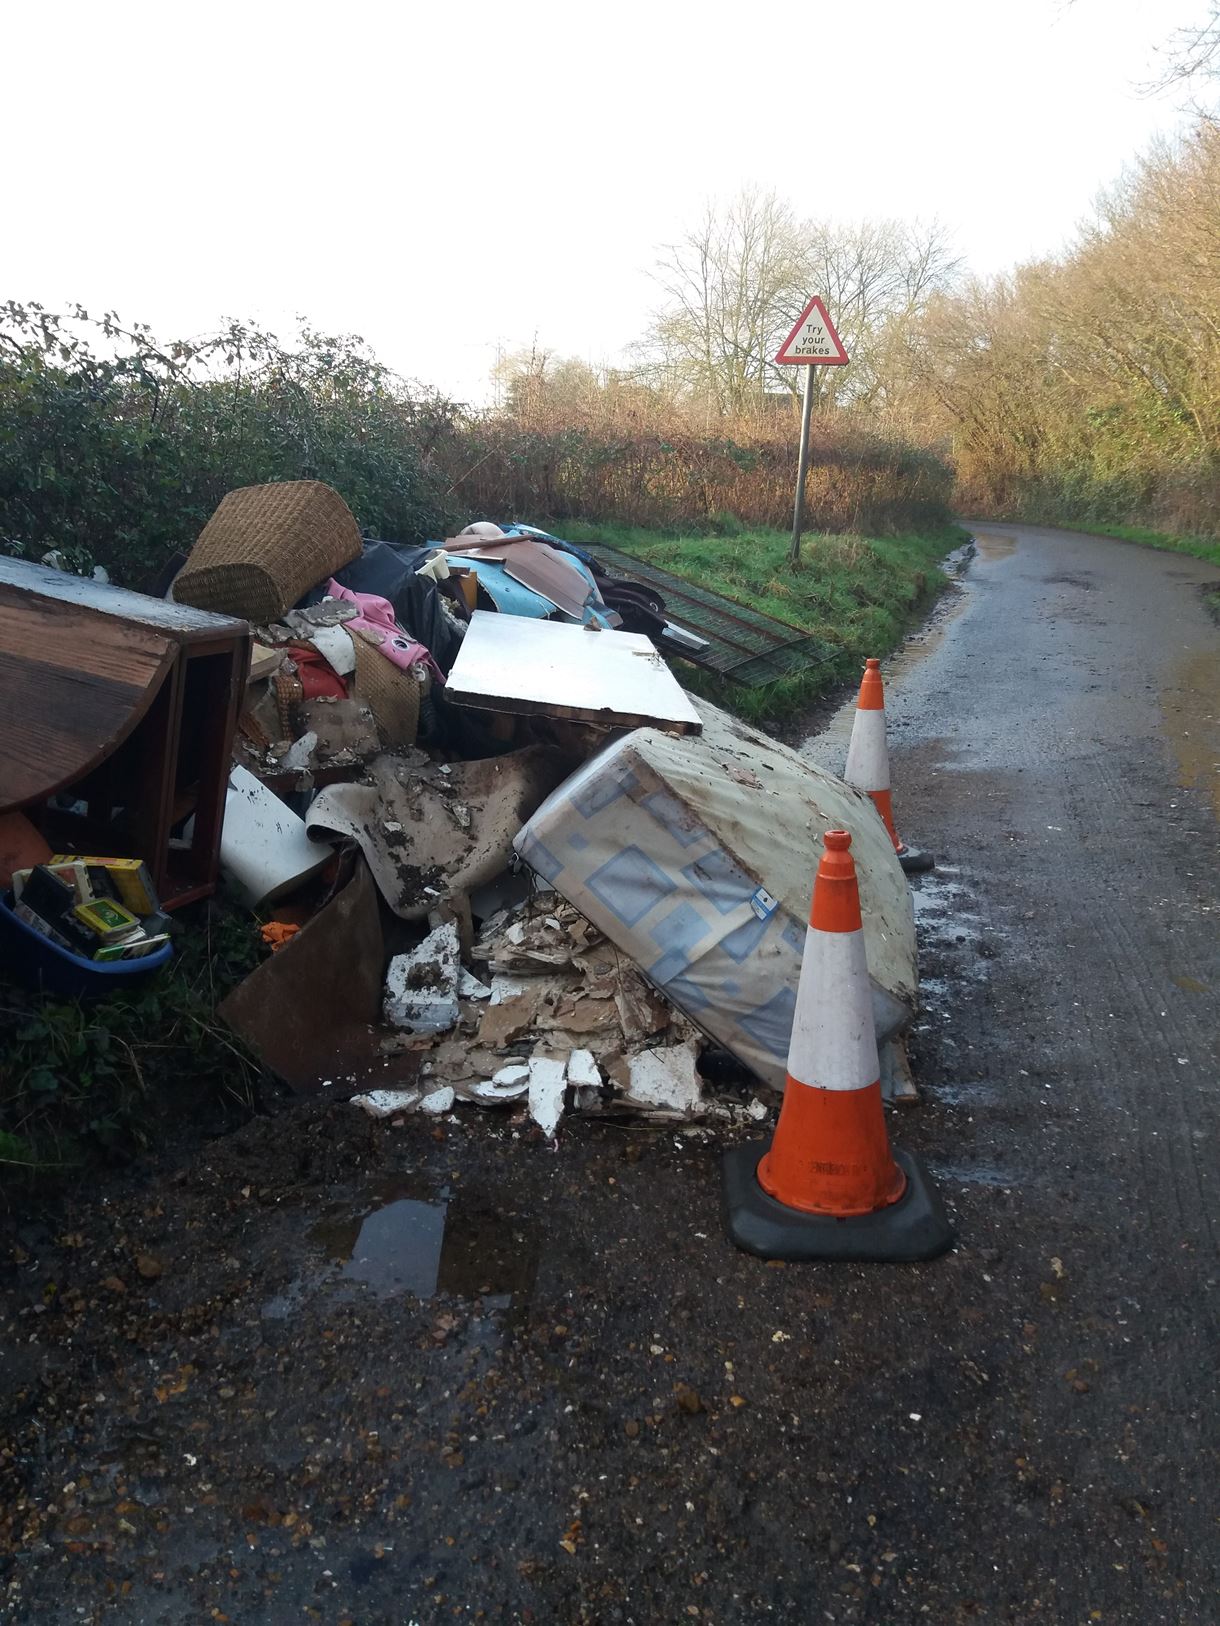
(209, 724)
(183, 623)
(64, 636)
(554, 669)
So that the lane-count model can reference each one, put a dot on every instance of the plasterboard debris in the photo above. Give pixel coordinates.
(421, 991)
(438, 1101)
(469, 986)
(547, 1083)
(560, 1021)
(386, 1103)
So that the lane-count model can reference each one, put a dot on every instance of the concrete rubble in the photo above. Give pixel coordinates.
(421, 988)
(554, 1021)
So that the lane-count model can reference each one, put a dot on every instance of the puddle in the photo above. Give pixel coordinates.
(957, 563)
(976, 1175)
(970, 1094)
(393, 1249)
(995, 544)
(410, 1237)
(1189, 710)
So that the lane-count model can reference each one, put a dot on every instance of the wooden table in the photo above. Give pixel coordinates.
(129, 704)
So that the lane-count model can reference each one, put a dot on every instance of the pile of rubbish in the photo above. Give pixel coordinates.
(498, 854)
(554, 1019)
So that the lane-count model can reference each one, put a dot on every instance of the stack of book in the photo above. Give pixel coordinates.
(102, 909)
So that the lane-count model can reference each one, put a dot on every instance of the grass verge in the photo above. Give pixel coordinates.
(1199, 547)
(858, 594)
(83, 1082)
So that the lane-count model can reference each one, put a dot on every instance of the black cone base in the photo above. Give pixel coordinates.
(915, 1227)
(915, 862)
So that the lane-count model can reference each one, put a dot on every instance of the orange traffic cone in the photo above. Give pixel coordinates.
(868, 762)
(829, 1187)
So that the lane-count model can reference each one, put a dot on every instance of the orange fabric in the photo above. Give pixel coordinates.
(872, 690)
(277, 932)
(836, 896)
(831, 1153)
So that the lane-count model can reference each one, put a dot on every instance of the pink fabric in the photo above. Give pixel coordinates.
(377, 616)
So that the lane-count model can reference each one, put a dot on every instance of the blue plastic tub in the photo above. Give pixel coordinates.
(44, 965)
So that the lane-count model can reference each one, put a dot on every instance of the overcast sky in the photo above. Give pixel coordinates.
(447, 178)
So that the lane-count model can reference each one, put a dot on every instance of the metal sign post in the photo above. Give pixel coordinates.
(812, 343)
(802, 469)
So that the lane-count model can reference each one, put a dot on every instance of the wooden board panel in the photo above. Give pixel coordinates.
(64, 637)
(554, 669)
(179, 621)
(81, 663)
(60, 722)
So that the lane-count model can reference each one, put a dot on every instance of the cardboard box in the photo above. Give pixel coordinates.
(106, 919)
(129, 876)
(43, 927)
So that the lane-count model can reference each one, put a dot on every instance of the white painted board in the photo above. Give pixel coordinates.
(264, 850)
(555, 669)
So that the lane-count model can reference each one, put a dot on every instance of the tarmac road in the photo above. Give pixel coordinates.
(608, 1415)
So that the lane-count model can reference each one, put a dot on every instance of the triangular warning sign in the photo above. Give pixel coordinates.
(813, 340)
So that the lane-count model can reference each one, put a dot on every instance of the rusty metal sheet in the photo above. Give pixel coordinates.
(746, 646)
(311, 1012)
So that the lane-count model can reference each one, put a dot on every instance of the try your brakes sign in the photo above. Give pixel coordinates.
(813, 340)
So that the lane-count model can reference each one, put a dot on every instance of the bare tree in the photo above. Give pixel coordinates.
(736, 283)
(876, 276)
(727, 283)
(1192, 55)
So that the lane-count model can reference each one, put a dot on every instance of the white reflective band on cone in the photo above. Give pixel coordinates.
(868, 760)
(834, 1042)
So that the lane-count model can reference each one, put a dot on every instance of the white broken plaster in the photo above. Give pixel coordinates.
(385, 1103)
(439, 1101)
(335, 646)
(516, 1072)
(503, 988)
(583, 1070)
(300, 754)
(421, 988)
(469, 986)
(547, 1082)
(664, 1080)
(505, 1087)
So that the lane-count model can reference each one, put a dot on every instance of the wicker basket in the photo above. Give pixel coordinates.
(266, 546)
(391, 694)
